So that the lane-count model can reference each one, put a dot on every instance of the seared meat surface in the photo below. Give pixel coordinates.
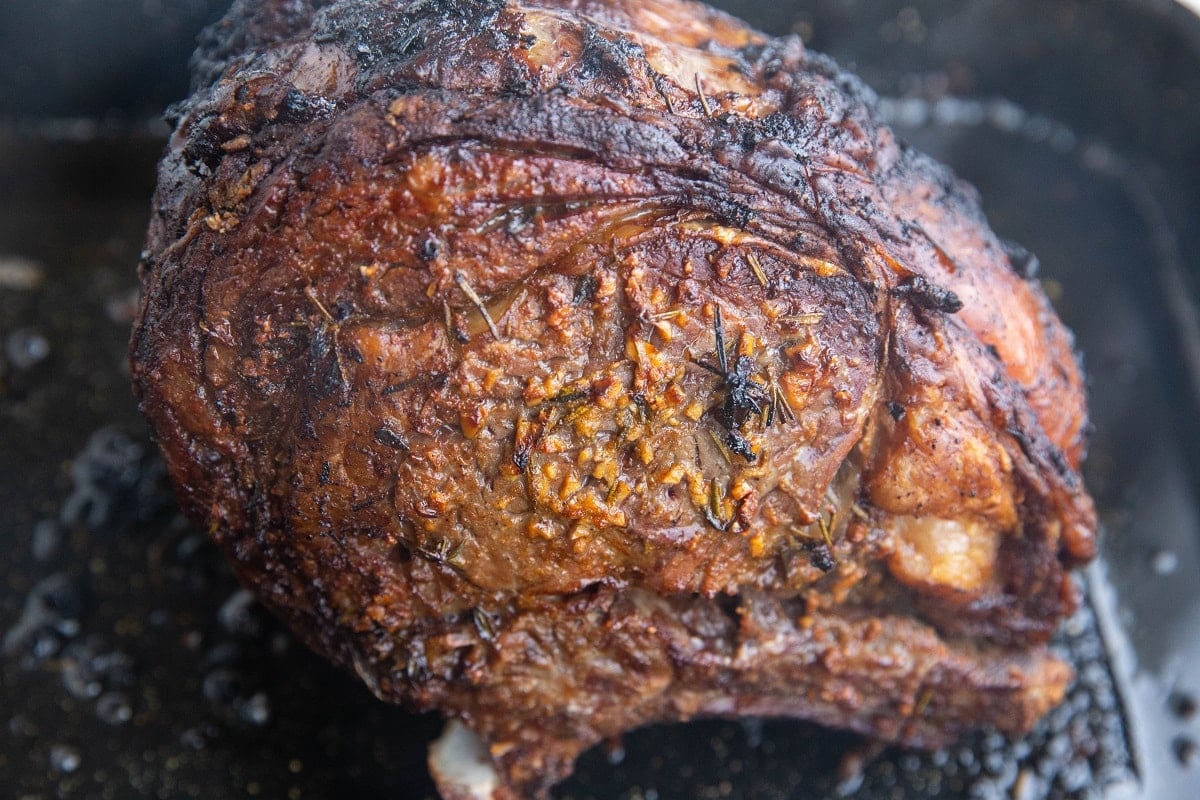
(571, 365)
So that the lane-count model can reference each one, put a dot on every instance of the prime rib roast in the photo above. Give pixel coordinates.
(571, 365)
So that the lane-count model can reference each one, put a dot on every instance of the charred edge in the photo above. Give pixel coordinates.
(1070, 478)
(429, 248)
(603, 58)
(1022, 441)
(525, 438)
(1051, 454)
(929, 296)
(820, 551)
(732, 213)
(308, 428)
(896, 410)
(585, 289)
(740, 445)
(298, 107)
(328, 376)
(390, 438)
(408, 383)
(744, 397)
(820, 556)
(364, 504)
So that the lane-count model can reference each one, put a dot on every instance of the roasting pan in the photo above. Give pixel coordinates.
(131, 665)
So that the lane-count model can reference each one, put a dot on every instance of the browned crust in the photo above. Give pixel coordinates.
(356, 189)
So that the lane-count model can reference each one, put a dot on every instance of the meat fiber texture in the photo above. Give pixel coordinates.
(567, 366)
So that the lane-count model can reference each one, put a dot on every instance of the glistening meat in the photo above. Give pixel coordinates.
(571, 366)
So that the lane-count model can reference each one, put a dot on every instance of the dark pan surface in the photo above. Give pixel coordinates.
(131, 665)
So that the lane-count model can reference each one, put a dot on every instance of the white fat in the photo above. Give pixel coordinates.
(460, 765)
(959, 554)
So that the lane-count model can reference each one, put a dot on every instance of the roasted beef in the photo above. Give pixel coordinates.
(571, 365)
